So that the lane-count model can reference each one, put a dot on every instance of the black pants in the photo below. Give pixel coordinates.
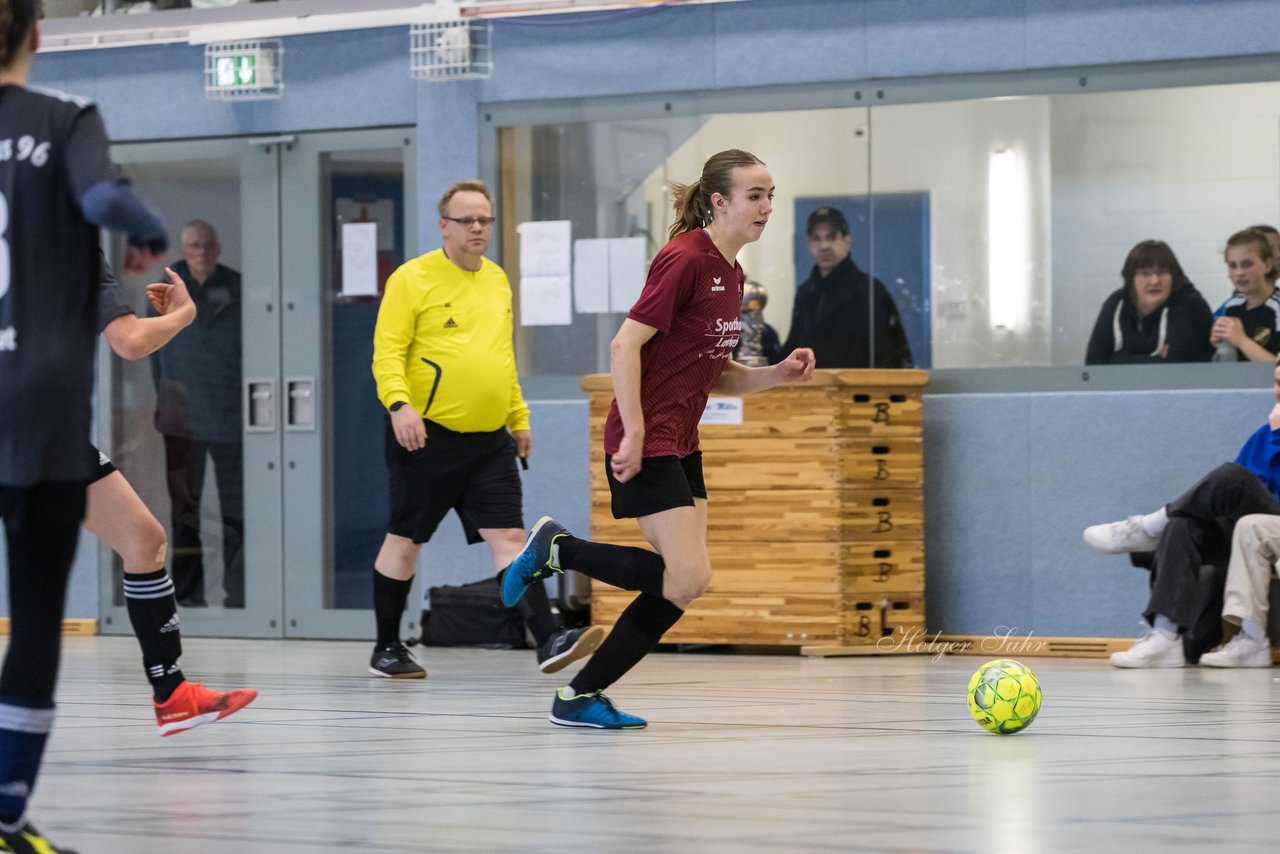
(184, 464)
(42, 527)
(1201, 522)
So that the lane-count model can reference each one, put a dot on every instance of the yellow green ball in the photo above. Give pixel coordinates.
(1004, 696)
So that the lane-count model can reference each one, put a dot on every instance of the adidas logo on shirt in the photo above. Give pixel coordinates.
(449, 324)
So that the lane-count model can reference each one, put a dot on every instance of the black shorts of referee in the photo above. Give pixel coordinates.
(472, 473)
(663, 483)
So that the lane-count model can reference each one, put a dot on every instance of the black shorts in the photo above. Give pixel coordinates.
(472, 473)
(104, 467)
(663, 483)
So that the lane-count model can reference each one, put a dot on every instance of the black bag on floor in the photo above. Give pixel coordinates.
(472, 615)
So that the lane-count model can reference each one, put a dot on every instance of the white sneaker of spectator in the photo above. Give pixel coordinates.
(1120, 537)
(1154, 649)
(1240, 651)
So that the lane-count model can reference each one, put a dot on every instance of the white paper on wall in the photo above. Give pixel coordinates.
(591, 284)
(545, 301)
(381, 211)
(545, 248)
(626, 272)
(359, 259)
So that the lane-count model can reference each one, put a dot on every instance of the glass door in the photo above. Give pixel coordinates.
(347, 224)
(192, 426)
(255, 436)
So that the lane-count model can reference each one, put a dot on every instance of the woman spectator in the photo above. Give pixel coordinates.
(1158, 316)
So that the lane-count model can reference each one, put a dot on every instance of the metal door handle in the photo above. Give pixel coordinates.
(300, 408)
(260, 405)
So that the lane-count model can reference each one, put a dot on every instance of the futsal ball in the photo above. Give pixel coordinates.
(1004, 696)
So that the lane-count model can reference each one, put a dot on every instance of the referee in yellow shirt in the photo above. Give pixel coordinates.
(446, 371)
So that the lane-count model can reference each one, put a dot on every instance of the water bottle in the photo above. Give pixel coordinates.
(1225, 352)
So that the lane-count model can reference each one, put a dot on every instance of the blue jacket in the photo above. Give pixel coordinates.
(1261, 455)
(197, 374)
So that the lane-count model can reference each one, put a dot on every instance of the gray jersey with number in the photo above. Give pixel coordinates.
(52, 149)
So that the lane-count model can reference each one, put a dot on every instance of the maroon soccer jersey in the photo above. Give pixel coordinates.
(693, 297)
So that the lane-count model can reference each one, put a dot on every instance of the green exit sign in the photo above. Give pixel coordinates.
(236, 71)
(244, 71)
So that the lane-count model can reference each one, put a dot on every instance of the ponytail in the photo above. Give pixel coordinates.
(693, 207)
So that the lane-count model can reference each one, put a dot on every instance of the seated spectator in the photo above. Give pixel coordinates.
(1249, 320)
(1158, 316)
(1188, 532)
(832, 311)
(1255, 548)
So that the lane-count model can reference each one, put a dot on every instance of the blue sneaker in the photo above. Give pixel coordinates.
(540, 556)
(591, 710)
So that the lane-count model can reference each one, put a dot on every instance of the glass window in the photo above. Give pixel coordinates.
(997, 228)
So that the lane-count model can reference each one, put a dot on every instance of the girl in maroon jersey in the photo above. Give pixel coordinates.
(673, 350)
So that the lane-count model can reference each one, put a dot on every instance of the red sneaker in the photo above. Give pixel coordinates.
(193, 704)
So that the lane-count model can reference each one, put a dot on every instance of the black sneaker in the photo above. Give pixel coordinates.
(567, 646)
(393, 661)
(27, 840)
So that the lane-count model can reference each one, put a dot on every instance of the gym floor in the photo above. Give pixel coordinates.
(742, 754)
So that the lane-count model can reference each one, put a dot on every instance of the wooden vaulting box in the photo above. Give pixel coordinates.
(815, 515)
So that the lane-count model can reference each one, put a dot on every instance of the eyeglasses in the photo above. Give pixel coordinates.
(468, 221)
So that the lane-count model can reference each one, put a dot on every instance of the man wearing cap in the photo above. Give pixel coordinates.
(833, 307)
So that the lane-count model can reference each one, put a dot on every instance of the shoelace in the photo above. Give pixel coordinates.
(599, 695)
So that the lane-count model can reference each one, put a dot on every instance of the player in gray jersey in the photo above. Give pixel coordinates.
(117, 517)
(57, 189)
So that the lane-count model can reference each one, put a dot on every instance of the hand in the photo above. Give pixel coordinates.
(798, 367)
(524, 443)
(1228, 329)
(410, 432)
(627, 461)
(172, 296)
(140, 259)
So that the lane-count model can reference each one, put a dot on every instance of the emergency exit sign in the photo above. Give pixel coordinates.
(236, 70)
(245, 70)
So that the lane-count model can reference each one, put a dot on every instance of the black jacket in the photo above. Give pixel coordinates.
(1176, 332)
(832, 315)
(197, 374)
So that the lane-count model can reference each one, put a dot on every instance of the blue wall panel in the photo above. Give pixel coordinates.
(977, 513)
(1091, 32)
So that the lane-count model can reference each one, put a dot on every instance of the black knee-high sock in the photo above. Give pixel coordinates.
(389, 597)
(535, 610)
(625, 567)
(637, 632)
(154, 615)
(41, 527)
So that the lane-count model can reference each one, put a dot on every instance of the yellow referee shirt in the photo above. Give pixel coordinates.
(443, 343)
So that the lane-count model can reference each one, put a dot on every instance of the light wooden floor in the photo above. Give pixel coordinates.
(743, 754)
